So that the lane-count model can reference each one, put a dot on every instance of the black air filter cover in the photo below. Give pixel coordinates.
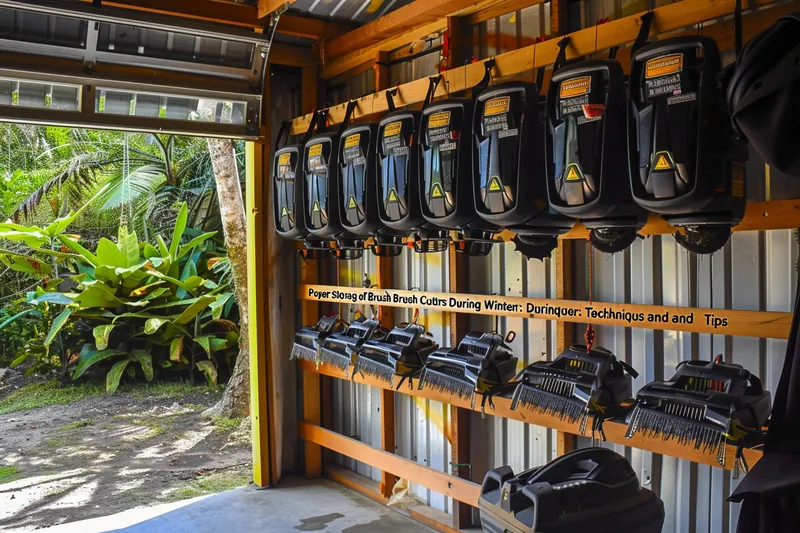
(587, 174)
(287, 190)
(686, 163)
(590, 490)
(359, 195)
(322, 185)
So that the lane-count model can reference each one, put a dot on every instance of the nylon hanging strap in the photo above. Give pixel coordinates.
(488, 65)
(322, 120)
(561, 58)
(433, 82)
(644, 32)
(283, 134)
(348, 114)
(390, 94)
(737, 20)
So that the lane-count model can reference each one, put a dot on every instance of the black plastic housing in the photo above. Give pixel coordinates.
(288, 188)
(586, 152)
(322, 185)
(589, 490)
(685, 162)
(359, 181)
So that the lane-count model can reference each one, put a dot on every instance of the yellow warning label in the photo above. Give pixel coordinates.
(285, 159)
(575, 87)
(436, 191)
(494, 184)
(392, 129)
(315, 150)
(573, 172)
(496, 106)
(284, 211)
(737, 180)
(393, 195)
(437, 120)
(316, 206)
(352, 204)
(661, 66)
(352, 140)
(663, 161)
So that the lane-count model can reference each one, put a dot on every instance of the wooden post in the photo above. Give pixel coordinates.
(457, 51)
(309, 90)
(564, 330)
(257, 210)
(558, 17)
(381, 68)
(459, 418)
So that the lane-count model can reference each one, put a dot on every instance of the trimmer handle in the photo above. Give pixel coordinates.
(562, 467)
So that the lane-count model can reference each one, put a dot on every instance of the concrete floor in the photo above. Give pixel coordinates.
(296, 505)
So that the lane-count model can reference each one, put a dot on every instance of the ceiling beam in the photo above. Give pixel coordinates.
(310, 28)
(266, 7)
(291, 56)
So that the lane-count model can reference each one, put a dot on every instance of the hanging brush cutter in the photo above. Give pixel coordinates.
(705, 403)
(480, 362)
(402, 353)
(578, 383)
(339, 349)
(308, 339)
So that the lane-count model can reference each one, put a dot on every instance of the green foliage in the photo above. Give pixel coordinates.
(77, 425)
(44, 394)
(212, 483)
(226, 425)
(8, 473)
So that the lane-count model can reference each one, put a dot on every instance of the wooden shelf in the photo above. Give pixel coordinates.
(615, 432)
(761, 324)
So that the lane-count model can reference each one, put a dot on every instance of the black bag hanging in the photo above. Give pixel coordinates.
(288, 191)
(587, 156)
(510, 186)
(686, 163)
(762, 89)
(398, 177)
(323, 186)
(446, 146)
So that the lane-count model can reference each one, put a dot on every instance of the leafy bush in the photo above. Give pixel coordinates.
(145, 309)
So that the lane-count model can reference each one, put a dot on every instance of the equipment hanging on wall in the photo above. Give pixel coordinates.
(578, 383)
(686, 163)
(510, 188)
(359, 188)
(448, 166)
(480, 362)
(590, 490)
(587, 156)
(761, 89)
(324, 186)
(705, 403)
(308, 339)
(288, 191)
(402, 353)
(338, 349)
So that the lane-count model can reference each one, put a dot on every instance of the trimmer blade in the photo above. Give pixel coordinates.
(370, 367)
(305, 353)
(542, 402)
(334, 359)
(452, 385)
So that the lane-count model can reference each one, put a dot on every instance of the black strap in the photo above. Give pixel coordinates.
(488, 65)
(612, 52)
(644, 32)
(433, 82)
(322, 120)
(311, 124)
(283, 134)
(348, 114)
(540, 77)
(737, 18)
(561, 58)
(390, 94)
(629, 369)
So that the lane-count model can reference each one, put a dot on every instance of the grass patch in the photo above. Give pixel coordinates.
(156, 427)
(77, 425)
(172, 389)
(49, 393)
(226, 425)
(212, 484)
(8, 473)
(59, 442)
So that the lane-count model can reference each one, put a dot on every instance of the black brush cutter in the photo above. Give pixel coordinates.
(308, 339)
(593, 490)
(705, 403)
(339, 349)
(402, 353)
(480, 362)
(578, 383)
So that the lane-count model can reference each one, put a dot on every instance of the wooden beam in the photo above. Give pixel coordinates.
(291, 56)
(257, 168)
(435, 480)
(564, 330)
(309, 87)
(615, 431)
(669, 18)
(558, 17)
(309, 28)
(312, 398)
(760, 324)
(266, 7)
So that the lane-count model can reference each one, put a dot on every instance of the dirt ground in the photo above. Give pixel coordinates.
(105, 454)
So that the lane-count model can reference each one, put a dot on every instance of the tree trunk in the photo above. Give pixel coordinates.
(236, 399)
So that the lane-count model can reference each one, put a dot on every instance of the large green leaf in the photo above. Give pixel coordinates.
(153, 324)
(176, 349)
(34, 239)
(17, 316)
(162, 246)
(219, 303)
(128, 244)
(101, 334)
(180, 227)
(149, 251)
(92, 357)
(21, 359)
(114, 375)
(108, 254)
(57, 325)
(208, 368)
(145, 361)
(218, 344)
(205, 343)
(51, 297)
(193, 310)
(60, 224)
(25, 264)
(193, 283)
(97, 297)
(189, 271)
(106, 273)
(143, 290)
(197, 241)
(169, 279)
(75, 247)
